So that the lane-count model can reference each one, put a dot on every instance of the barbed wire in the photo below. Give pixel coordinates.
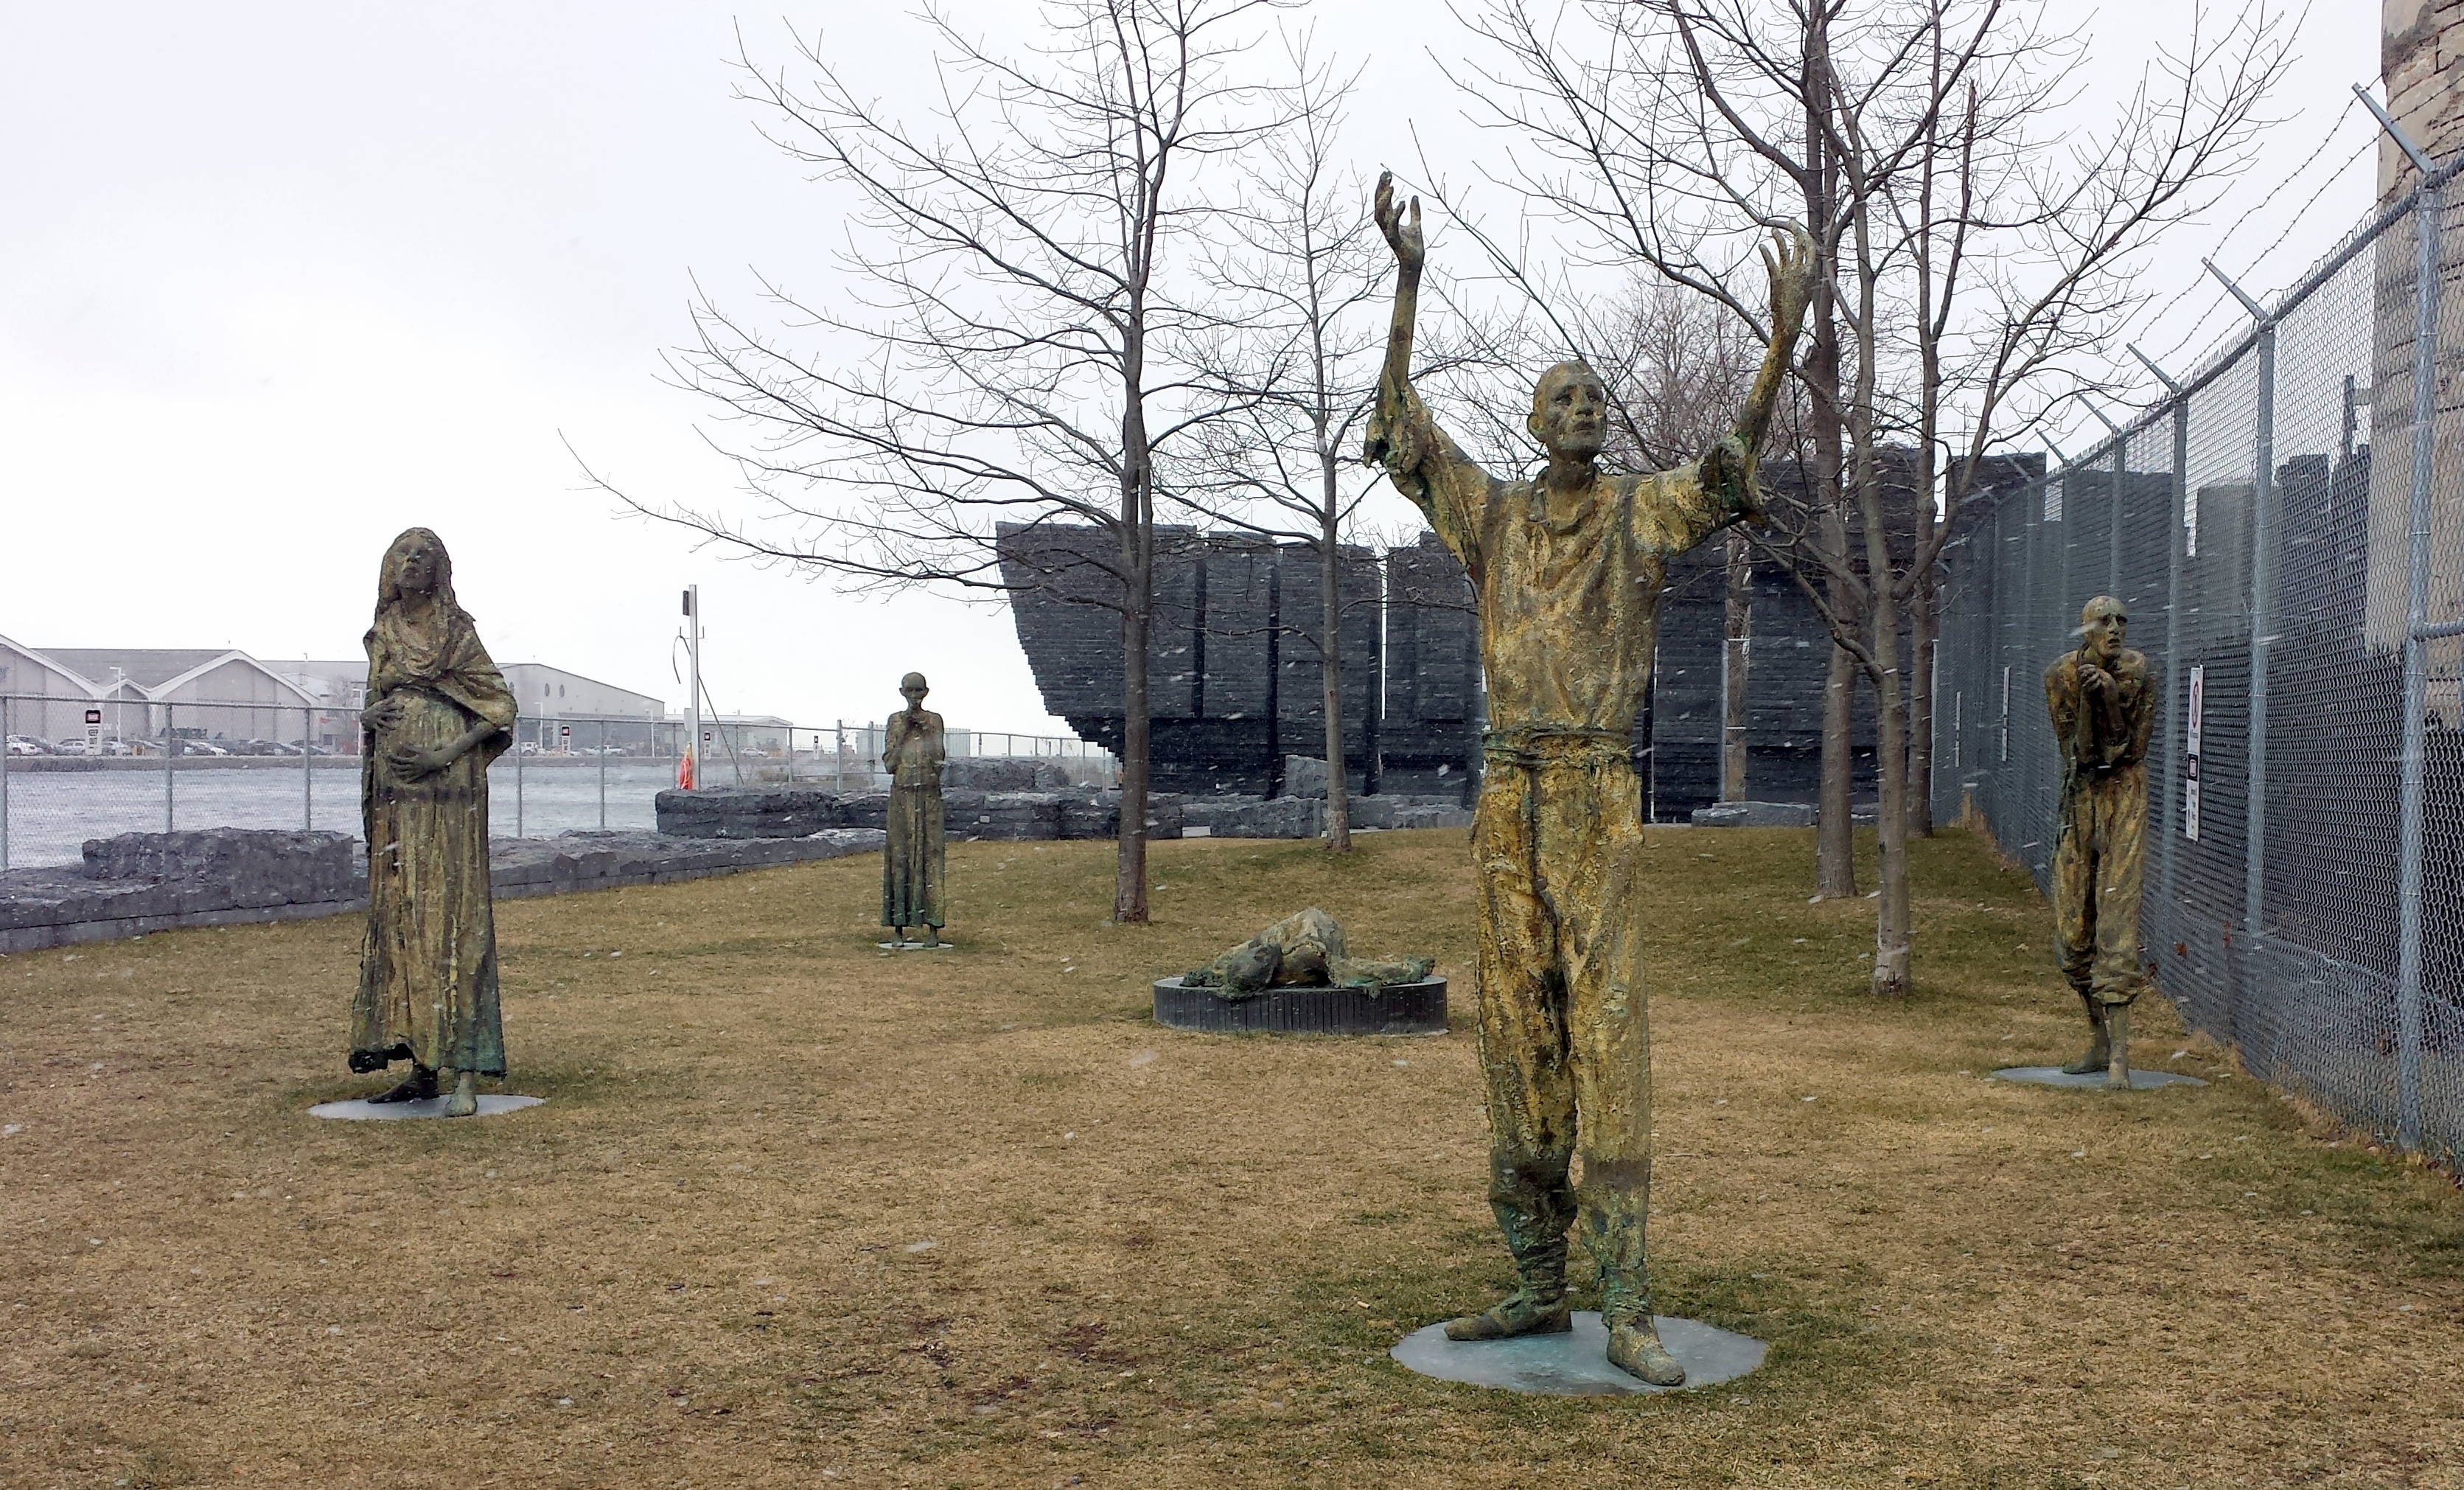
(2219, 300)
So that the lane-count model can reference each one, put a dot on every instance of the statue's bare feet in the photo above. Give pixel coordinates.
(417, 1087)
(1519, 1313)
(932, 936)
(1635, 1349)
(464, 1100)
(2098, 1056)
(2117, 1070)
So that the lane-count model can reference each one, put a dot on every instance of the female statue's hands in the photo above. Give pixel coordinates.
(382, 715)
(413, 763)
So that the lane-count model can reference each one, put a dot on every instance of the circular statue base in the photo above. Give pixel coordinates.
(1395, 1009)
(2056, 1076)
(1576, 1364)
(914, 946)
(433, 1107)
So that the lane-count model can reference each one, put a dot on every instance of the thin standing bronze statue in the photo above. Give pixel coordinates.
(437, 713)
(2103, 710)
(1568, 571)
(912, 860)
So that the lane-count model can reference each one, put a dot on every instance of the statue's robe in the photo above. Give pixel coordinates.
(428, 965)
(914, 862)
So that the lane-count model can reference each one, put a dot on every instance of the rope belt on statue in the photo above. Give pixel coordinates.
(1537, 748)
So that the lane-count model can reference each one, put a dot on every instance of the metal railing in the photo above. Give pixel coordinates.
(155, 766)
(2286, 531)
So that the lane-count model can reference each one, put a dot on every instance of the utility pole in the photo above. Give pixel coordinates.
(692, 685)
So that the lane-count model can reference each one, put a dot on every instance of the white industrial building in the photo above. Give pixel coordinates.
(227, 695)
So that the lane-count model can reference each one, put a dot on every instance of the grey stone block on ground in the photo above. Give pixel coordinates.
(355, 1111)
(1576, 1364)
(2140, 1080)
(1755, 814)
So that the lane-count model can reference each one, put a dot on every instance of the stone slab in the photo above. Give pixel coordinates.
(355, 1111)
(943, 945)
(1576, 1363)
(2055, 1076)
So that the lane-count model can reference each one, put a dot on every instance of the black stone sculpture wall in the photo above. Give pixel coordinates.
(1235, 685)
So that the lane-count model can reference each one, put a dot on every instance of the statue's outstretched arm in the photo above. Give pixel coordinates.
(1411, 253)
(1790, 261)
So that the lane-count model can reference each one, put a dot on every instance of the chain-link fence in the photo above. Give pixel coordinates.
(2287, 534)
(77, 768)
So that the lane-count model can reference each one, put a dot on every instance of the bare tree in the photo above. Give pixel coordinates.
(1299, 365)
(1974, 271)
(1013, 361)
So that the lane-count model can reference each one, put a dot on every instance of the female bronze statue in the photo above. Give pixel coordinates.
(437, 713)
(913, 861)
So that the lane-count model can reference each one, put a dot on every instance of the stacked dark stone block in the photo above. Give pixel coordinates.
(1234, 679)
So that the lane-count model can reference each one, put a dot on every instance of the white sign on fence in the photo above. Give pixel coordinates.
(2190, 755)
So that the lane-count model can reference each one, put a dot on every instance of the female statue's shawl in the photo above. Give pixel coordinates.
(428, 965)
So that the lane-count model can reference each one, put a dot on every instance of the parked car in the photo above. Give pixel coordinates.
(201, 747)
(27, 745)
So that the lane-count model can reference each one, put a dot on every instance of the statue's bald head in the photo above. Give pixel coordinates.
(2102, 624)
(1570, 410)
(912, 686)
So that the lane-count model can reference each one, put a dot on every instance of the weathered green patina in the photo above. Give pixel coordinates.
(1304, 950)
(1568, 569)
(2103, 708)
(438, 712)
(914, 860)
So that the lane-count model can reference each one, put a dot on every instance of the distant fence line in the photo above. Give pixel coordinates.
(244, 764)
(2286, 532)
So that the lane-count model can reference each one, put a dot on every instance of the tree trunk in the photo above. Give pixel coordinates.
(1835, 837)
(1737, 660)
(1922, 628)
(1835, 830)
(1129, 881)
(1330, 669)
(1891, 770)
(1137, 613)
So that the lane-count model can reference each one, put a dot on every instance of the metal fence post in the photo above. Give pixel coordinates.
(2416, 661)
(307, 769)
(2262, 616)
(603, 775)
(2113, 517)
(2176, 707)
(170, 752)
(4, 781)
(517, 776)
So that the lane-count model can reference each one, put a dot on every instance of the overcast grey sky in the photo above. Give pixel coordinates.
(277, 280)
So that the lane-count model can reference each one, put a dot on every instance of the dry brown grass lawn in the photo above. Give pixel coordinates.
(801, 1213)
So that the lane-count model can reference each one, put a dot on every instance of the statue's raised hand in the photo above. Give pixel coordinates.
(1402, 235)
(1790, 261)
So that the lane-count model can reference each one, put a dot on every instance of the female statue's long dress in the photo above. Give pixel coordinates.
(912, 860)
(428, 966)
